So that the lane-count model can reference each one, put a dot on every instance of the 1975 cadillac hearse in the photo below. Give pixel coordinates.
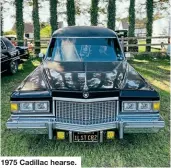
(85, 90)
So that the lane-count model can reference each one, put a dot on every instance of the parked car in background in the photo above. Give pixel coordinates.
(123, 33)
(9, 56)
(85, 91)
(23, 50)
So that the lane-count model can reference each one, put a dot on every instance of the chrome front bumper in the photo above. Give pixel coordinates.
(47, 125)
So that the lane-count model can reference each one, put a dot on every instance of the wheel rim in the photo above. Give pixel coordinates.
(13, 67)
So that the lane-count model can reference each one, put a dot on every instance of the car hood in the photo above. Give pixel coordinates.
(79, 76)
(95, 76)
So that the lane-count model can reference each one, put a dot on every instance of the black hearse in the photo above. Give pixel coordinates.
(85, 91)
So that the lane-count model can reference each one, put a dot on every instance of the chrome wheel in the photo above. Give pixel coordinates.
(13, 67)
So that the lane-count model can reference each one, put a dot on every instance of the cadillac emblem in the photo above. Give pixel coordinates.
(85, 95)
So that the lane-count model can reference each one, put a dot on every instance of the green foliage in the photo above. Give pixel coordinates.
(46, 31)
(131, 30)
(36, 23)
(131, 19)
(10, 32)
(53, 15)
(149, 24)
(1, 17)
(19, 21)
(70, 5)
(111, 14)
(94, 12)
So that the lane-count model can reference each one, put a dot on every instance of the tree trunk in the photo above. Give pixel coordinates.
(94, 12)
(19, 22)
(111, 14)
(131, 30)
(149, 24)
(70, 12)
(53, 15)
(35, 15)
(1, 17)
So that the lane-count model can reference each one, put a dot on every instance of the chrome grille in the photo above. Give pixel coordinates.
(85, 113)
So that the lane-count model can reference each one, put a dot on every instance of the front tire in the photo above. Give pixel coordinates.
(13, 67)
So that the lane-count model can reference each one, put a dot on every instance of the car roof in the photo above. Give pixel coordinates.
(84, 31)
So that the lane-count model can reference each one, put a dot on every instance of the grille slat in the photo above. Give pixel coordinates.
(85, 113)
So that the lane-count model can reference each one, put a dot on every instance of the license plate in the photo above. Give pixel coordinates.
(85, 137)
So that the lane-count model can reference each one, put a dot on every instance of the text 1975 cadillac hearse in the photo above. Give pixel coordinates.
(85, 90)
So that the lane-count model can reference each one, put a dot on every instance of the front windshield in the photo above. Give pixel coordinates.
(84, 50)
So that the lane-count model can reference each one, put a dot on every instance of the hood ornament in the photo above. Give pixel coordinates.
(85, 95)
(85, 88)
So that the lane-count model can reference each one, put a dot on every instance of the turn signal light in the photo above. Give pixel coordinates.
(60, 135)
(110, 135)
(14, 107)
(156, 106)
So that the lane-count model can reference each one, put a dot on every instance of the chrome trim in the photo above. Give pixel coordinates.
(117, 108)
(85, 113)
(70, 136)
(85, 100)
(121, 130)
(84, 128)
(50, 130)
(101, 136)
(50, 125)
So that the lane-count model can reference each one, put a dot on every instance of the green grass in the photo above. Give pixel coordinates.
(147, 150)
(142, 48)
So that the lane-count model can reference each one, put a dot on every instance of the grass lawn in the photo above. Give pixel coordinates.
(142, 48)
(147, 150)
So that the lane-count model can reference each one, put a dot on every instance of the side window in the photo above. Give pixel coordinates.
(3, 47)
(9, 44)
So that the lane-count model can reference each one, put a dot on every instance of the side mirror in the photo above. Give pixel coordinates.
(41, 55)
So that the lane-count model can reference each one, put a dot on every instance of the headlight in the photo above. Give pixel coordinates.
(140, 106)
(26, 106)
(129, 106)
(41, 106)
(37, 106)
(144, 106)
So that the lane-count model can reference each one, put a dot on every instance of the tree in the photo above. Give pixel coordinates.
(10, 32)
(19, 21)
(35, 15)
(111, 14)
(1, 17)
(53, 15)
(131, 29)
(70, 5)
(94, 12)
(45, 31)
(149, 24)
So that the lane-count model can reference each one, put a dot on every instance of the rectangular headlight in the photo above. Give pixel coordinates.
(140, 106)
(129, 106)
(30, 106)
(26, 106)
(144, 106)
(42, 106)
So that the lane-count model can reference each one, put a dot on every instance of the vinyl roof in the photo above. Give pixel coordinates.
(84, 31)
